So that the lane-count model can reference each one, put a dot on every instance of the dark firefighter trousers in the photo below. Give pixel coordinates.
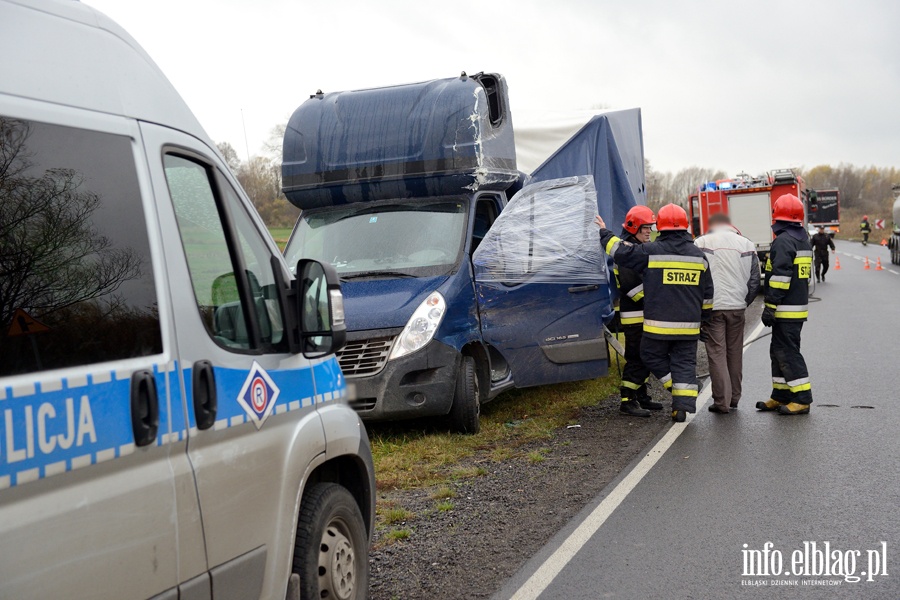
(674, 362)
(790, 378)
(635, 373)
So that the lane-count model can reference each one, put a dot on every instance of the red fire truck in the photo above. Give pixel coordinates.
(748, 201)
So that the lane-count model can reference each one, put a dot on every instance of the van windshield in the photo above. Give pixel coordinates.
(395, 237)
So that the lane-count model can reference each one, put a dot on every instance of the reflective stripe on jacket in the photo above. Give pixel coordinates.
(677, 286)
(631, 296)
(788, 269)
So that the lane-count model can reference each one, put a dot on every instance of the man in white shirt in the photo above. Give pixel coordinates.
(734, 266)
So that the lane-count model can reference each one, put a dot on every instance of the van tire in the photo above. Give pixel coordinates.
(331, 550)
(465, 414)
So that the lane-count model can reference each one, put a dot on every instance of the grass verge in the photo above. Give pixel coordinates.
(281, 236)
(418, 455)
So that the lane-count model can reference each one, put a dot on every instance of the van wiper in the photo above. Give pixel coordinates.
(376, 274)
(376, 210)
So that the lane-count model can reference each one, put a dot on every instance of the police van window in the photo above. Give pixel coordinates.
(202, 222)
(256, 257)
(76, 277)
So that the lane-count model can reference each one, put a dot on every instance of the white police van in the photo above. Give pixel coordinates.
(172, 422)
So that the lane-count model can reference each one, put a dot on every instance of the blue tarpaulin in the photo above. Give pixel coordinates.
(610, 149)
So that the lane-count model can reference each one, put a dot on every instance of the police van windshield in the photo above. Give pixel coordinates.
(395, 238)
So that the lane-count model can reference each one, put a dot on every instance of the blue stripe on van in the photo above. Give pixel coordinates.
(58, 426)
(52, 427)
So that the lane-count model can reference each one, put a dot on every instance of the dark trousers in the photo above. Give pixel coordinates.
(790, 378)
(635, 373)
(725, 350)
(674, 362)
(821, 264)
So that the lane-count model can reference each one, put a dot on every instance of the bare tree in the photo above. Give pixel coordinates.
(51, 257)
(686, 181)
(273, 145)
(231, 156)
(261, 179)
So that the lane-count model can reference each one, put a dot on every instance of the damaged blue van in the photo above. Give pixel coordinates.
(453, 292)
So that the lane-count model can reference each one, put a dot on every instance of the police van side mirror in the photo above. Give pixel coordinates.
(320, 309)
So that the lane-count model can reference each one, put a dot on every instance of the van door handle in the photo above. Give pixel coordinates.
(144, 407)
(203, 385)
(583, 288)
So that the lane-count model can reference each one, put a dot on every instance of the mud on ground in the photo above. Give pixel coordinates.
(500, 519)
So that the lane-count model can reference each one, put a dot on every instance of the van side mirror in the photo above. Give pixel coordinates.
(320, 308)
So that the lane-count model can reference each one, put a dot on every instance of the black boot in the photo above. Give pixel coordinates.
(633, 409)
(648, 403)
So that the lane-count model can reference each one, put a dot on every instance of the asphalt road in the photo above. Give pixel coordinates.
(693, 516)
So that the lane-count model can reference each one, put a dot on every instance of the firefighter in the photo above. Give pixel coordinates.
(678, 292)
(821, 241)
(864, 229)
(635, 400)
(788, 269)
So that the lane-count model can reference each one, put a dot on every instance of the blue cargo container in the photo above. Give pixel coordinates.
(453, 293)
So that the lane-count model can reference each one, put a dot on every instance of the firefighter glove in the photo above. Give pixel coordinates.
(704, 334)
(768, 316)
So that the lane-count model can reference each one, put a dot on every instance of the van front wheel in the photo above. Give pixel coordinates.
(465, 413)
(330, 554)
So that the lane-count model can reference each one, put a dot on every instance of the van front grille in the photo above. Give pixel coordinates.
(365, 357)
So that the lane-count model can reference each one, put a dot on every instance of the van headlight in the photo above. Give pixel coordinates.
(421, 326)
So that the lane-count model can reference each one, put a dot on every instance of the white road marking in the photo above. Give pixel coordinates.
(555, 563)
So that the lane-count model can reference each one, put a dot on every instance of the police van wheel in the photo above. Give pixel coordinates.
(330, 554)
(466, 410)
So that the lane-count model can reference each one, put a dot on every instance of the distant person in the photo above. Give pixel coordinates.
(787, 288)
(821, 241)
(734, 265)
(636, 402)
(865, 229)
(678, 296)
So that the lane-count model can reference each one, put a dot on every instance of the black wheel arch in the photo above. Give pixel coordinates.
(352, 473)
(476, 350)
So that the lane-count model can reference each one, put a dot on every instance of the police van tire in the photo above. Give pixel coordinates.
(465, 414)
(331, 551)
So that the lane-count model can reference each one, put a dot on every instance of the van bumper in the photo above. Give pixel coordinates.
(420, 384)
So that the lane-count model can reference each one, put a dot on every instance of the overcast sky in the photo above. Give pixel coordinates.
(739, 86)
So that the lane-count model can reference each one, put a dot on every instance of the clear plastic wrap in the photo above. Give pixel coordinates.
(546, 234)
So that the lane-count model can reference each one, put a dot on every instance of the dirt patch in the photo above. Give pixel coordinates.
(467, 545)
(474, 541)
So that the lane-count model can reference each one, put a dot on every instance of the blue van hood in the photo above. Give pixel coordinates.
(385, 303)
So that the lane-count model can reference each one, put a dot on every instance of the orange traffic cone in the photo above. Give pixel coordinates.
(866, 266)
(878, 265)
(837, 263)
(883, 242)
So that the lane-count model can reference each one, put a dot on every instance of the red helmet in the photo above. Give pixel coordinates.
(671, 217)
(865, 217)
(636, 217)
(788, 208)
